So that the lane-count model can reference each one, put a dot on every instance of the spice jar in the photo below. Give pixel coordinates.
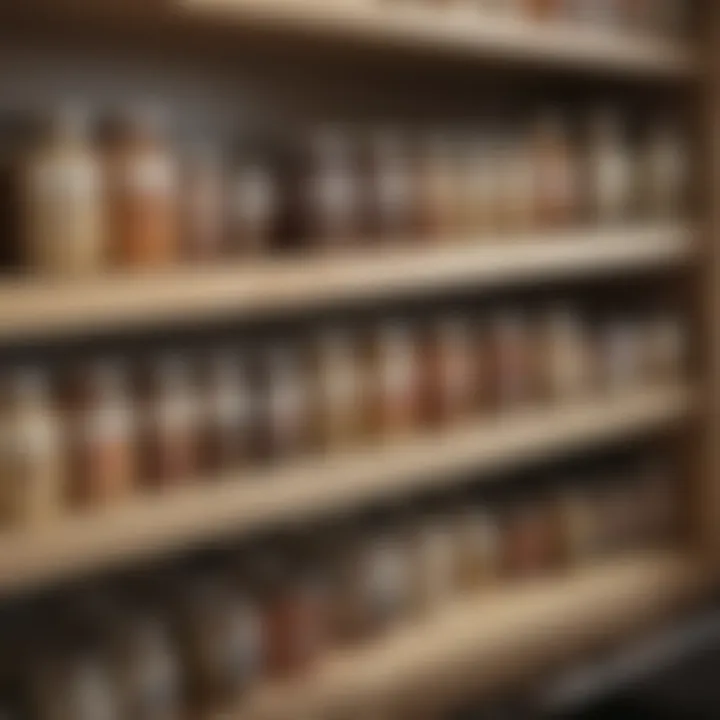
(620, 355)
(285, 405)
(665, 173)
(478, 189)
(337, 390)
(531, 540)
(330, 192)
(666, 348)
(146, 670)
(390, 189)
(228, 412)
(204, 192)
(659, 502)
(295, 611)
(513, 364)
(253, 208)
(609, 169)
(545, 9)
(76, 685)
(171, 433)
(566, 372)
(437, 187)
(32, 465)
(224, 642)
(433, 561)
(61, 192)
(449, 369)
(554, 173)
(144, 194)
(478, 547)
(383, 576)
(516, 202)
(578, 517)
(393, 381)
(103, 442)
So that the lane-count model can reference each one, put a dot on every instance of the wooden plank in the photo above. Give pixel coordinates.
(482, 642)
(149, 527)
(34, 308)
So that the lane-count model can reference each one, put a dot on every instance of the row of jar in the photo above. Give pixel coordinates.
(652, 17)
(109, 428)
(134, 201)
(205, 635)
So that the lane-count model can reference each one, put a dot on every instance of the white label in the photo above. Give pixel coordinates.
(333, 194)
(91, 694)
(386, 578)
(253, 199)
(613, 178)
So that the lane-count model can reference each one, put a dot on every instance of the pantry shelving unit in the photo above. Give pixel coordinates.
(477, 643)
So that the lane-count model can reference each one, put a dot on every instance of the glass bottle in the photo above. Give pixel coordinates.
(62, 195)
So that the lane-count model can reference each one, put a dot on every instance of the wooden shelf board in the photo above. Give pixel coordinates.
(482, 642)
(149, 527)
(462, 32)
(35, 308)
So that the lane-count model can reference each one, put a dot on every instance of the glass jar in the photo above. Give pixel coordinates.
(224, 641)
(513, 363)
(479, 187)
(204, 192)
(32, 461)
(104, 441)
(478, 547)
(171, 432)
(437, 186)
(610, 169)
(62, 195)
(621, 354)
(253, 208)
(228, 413)
(531, 539)
(393, 381)
(665, 176)
(567, 369)
(146, 670)
(295, 610)
(330, 192)
(554, 172)
(434, 561)
(516, 182)
(144, 195)
(338, 390)
(578, 517)
(666, 348)
(285, 405)
(449, 368)
(390, 188)
(75, 686)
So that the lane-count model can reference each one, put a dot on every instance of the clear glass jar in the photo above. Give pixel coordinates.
(478, 547)
(393, 381)
(104, 439)
(285, 411)
(514, 362)
(62, 201)
(171, 433)
(146, 670)
(204, 204)
(229, 413)
(224, 642)
(610, 169)
(32, 461)
(253, 207)
(338, 390)
(330, 192)
(565, 350)
(144, 194)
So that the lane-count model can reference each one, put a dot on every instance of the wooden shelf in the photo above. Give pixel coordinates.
(149, 527)
(31, 309)
(483, 642)
(461, 31)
